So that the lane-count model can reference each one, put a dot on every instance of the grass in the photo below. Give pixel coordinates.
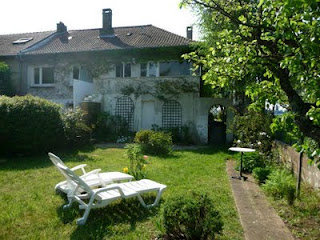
(303, 217)
(30, 209)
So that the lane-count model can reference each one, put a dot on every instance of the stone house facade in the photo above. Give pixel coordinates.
(134, 72)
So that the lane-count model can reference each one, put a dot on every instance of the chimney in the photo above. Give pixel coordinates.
(61, 28)
(106, 30)
(189, 32)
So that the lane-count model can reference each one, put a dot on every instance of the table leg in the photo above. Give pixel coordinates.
(241, 165)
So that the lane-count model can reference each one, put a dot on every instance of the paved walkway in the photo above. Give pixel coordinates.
(258, 218)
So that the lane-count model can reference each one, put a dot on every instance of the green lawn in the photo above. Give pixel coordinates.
(30, 209)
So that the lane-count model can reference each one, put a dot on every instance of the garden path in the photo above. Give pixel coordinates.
(258, 218)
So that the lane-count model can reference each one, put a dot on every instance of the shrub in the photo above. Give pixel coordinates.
(5, 80)
(111, 128)
(251, 161)
(76, 131)
(261, 174)
(191, 217)
(137, 161)
(152, 142)
(180, 135)
(281, 184)
(253, 130)
(29, 125)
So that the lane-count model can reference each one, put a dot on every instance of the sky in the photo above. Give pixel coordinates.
(22, 16)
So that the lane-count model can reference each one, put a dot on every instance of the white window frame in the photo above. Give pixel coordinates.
(123, 69)
(40, 84)
(157, 70)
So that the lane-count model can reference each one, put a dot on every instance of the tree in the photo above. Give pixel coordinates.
(5, 85)
(270, 48)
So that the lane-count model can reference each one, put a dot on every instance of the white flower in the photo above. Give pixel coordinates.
(238, 141)
(259, 143)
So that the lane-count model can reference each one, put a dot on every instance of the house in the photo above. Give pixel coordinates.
(135, 72)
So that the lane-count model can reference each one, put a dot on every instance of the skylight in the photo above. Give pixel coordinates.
(22, 40)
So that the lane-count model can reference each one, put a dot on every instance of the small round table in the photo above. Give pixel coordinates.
(242, 150)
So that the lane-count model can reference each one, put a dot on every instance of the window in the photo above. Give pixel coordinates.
(153, 69)
(174, 68)
(127, 70)
(43, 76)
(125, 110)
(171, 114)
(76, 72)
(123, 70)
(143, 69)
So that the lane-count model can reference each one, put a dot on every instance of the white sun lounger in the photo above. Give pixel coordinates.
(93, 178)
(101, 197)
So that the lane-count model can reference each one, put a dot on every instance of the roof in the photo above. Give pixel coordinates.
(146, 36)
(7, 48)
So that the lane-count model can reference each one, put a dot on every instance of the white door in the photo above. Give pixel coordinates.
(148, 115)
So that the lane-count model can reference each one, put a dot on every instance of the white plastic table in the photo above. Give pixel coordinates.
(242, 150)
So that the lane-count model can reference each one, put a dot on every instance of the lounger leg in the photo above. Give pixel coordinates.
(155, 203)
(82, 221)
(70, 199)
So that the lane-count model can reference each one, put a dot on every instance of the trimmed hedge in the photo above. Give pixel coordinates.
(32, 125)
(29, 125)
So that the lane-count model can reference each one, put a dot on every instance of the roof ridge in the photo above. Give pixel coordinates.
(172, 33)
(24, 33)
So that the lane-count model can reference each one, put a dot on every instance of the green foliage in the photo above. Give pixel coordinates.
(5, 78)
(29, 125)
(285, 129)
(180, 135)
(111, 128)
(281, 184)
(267, 49)
(137, 161)
(76, 131)
(152, 142)
(191, 216)
(261, 174)
(253, 130)
(251, 161)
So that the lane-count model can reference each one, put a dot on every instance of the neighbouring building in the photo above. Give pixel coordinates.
(135, 72)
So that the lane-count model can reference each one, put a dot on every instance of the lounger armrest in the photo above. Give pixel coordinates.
(81, 166)
(95, 171)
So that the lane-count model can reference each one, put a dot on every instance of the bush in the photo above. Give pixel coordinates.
(180, 135)
(152, 142)
(76, 131)
(191, 217)
(137, 161)
(281, 184)
(253, 130)
(261, 174)
(251, 161)
(111, 128)
(29, 125)
(5, 80)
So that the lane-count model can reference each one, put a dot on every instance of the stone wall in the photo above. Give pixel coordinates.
(288, 155)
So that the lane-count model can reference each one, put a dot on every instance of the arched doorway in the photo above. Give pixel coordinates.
(217, 125)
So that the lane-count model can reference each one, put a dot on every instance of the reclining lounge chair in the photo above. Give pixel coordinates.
(93, 178)
(101, 197)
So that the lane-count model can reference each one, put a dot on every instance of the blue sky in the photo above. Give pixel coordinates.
(36, 15)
